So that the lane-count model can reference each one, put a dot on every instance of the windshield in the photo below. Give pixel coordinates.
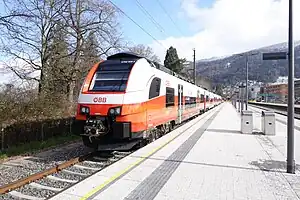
(111, 76)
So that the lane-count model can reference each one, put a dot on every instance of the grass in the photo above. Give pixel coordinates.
(36, 146)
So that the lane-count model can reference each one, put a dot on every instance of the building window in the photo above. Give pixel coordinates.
(169, 97)
(154, 88)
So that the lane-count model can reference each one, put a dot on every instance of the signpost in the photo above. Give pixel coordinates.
(291, 110)
(241, 91)
(291, 101)
(290, 125)
(275, 56)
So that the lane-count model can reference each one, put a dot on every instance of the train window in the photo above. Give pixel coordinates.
(186, 100)
(193, 102)
(154, 88)
(190, 102)
(111, 76)
(170, 97)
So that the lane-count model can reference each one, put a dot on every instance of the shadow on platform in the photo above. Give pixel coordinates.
(271, 165)
(223, 131)
(255, 132)
(267, 166)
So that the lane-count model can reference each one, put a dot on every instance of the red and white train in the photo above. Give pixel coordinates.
(127, 99)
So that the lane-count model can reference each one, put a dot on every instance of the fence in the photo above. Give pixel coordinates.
(21, 133)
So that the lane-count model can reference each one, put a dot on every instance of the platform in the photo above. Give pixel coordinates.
(206, 158)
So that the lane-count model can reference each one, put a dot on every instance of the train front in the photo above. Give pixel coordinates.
(100, 103)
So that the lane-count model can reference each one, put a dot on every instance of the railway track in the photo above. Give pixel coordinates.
(281, 111)
(47, 183)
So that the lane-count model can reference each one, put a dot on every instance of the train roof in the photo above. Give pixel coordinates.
(121, 55)
(133, 56)
(130, 56)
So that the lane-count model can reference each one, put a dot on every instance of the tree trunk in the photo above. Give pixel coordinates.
(71, 96)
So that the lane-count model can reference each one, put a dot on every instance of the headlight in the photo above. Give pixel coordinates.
(115, 111)
(112, 111)
(84, 110)
(118, 111)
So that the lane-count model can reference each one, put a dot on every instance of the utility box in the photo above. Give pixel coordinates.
(268, 122)
(247, 122)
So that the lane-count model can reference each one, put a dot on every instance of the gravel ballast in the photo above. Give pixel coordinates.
(39, 162)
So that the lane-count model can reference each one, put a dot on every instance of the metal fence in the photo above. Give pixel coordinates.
(21, 133)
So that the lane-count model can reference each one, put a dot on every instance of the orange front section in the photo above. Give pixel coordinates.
(136, 114)
(158, 113)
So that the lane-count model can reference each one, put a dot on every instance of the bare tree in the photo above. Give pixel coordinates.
(27, 44)
(7, 19)
(35, 54)
(145, 51)
(87, 17)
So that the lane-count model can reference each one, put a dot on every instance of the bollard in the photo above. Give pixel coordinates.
(268, 122)
(247, 122)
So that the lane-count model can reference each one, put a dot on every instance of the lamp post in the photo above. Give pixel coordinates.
(247, 82)
(235, 98)
(241, 92)
(291, 99)
(247, 66)
(290, 148)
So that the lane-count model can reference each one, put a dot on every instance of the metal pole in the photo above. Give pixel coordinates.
(239, 102)
(243, 98)
(290, 127)
(194, 66)
(246, 82)
(235, 100)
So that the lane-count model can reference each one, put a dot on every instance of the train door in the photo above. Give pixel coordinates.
(205, 101)
(198, 99)
(180, 102)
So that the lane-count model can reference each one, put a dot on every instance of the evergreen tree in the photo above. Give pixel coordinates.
(89, 57)
(90, 52)
(56, 73)
(172, 60)
(219, 89)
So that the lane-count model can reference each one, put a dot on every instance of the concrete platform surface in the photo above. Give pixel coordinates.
(207, 158)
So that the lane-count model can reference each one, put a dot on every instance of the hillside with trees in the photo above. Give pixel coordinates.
(232, 69)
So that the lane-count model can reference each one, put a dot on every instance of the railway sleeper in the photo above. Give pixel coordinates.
(24, 196)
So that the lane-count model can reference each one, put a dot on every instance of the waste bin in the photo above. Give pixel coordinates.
(247, 122)
(268, 122)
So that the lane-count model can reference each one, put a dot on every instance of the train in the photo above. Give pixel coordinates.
(127, 100)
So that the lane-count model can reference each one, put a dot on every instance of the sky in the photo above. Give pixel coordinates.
(213, 27)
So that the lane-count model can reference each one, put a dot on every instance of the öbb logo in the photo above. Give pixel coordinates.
(99, 99)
